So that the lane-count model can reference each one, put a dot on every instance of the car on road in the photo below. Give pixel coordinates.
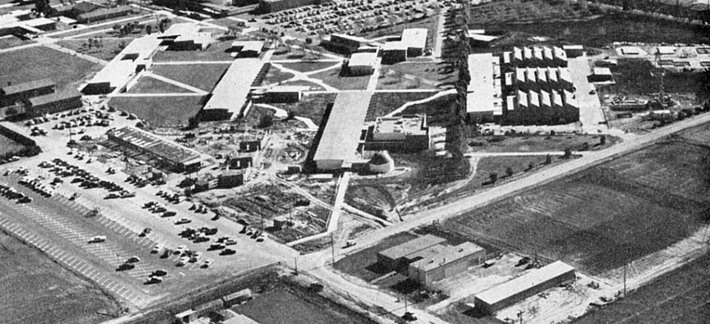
(183, 221)
(97, 239)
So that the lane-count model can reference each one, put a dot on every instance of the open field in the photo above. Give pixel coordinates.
(514, 11)
(604, 217)
(160, 111)
(382, 103)
(41, 62)
(7, 145)
(290, 304)
(37, 290)
(216, 52)
(424, 75)
(364, 265)
(700, 134)
(151, 85)
(311, 106)
(527, 143)
(681, 296)
(333, 79)
(308, 66)
(12, 41)
(109, 50)
(608, 28)
(201, 76)
(499, 166)
(634, 76)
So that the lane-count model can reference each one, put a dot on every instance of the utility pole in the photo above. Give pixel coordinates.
(332, 247)
(295, 263)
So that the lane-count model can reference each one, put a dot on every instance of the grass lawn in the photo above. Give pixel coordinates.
(313, 86)
(107, 52)
(439, 73)
(680, 296)
(333, 79)
(37, 290)
(383, 103)
(364, 265)
(307, 66)
(499, 165)
(201, 76)
(608, 28)
(602, 218)
(633, 76)
(700, 133)
(534, 143)
(7, 145)
(160, 111)
(152, 85)
(41, 62)
(12, 41)
(311, 106)
(216, 52)
(275, 75)
(390, 79)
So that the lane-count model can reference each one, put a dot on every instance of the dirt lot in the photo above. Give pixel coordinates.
(202, 76)
(37, 290)
(284, 302)
(537, 143)
(364, 265)
(151, 85)
(681, 296)
(160, 111)
(311, 106)
(601, 218)
(40, 62)
(8, 146)
(633, 77)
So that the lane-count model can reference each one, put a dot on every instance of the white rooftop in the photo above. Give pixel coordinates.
(414, 37)
(232, 90)
(341, 134)
(524, 282)
(363, 59)
(482, 95)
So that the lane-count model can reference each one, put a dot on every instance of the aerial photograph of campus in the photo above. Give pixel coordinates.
(354, 161)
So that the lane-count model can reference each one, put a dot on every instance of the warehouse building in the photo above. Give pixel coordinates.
(246, 48)
(54, 102)
(396, 256)
(407, 133)
(173, 155)
(14, 93)
(362, 63)
(340, 138)
(103, 14)
(346, 43)
(518, 289)
(230, 96)
(279, 94)
(484, 102)
(442, 261)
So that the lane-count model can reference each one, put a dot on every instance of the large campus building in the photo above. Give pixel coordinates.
(407, 133)
(528, 86)
(165, 151)
(36, 98)
(412, 43)
(340, 138)
(230, 96)
(522, 287)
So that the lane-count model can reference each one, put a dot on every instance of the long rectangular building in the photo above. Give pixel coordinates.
(522, 287)
(178, 157)
(230, 95)
(339, 140)
(483, 97)
(395, 257)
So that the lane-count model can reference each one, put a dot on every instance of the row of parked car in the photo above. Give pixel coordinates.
(37, 186)
(85, 179)
(12, 194)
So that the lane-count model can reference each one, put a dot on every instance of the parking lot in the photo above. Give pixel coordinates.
(61, 225)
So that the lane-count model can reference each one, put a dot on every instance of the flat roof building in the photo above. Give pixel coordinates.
(176, 156)
(445, 262)
(483, 99)
(415, 40)
(601, 74)
(54, 102)
(231, 95)
(362, 63)
(247, 48)
(395, 257)
(339, 140)
(520, 288)
(408, 133)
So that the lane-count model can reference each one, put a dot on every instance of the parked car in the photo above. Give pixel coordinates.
(97, 239)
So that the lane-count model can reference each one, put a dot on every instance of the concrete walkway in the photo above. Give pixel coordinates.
(192, 62)
(425, 100)
(303, 76)
(118, 95)
(439, 41)
(375, 77)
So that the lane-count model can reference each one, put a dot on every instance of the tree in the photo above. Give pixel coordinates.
(548, 159)
(602, 140)
(193, 122)
(90, 43)
(309, 40)
(493, 176)
(149, 29)
(530, 166)
(568, 153)
(266, 121)
(509, 171)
